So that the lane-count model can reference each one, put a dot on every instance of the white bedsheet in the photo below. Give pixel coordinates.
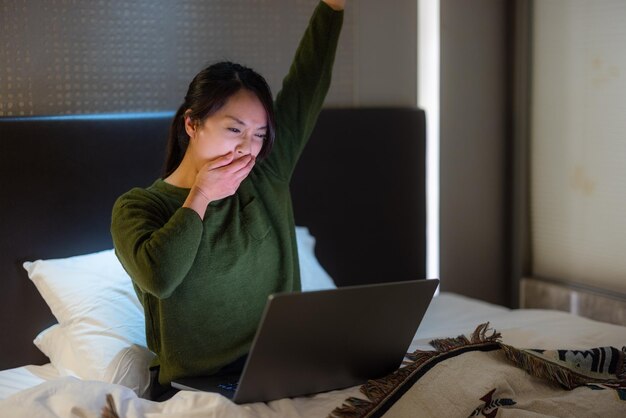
(20, 378)
(449, 315)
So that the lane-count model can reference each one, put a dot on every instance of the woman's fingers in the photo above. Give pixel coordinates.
(222, 176)
(227, 164)
(244, 164)
(240, 163)
(220, 161)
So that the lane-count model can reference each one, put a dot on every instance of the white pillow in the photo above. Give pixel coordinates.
(101, 330)
(312, 274)
(129, 368)
(101, 335)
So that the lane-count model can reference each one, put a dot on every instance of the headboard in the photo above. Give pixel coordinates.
(359, 187)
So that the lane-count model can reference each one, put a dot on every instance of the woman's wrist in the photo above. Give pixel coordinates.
(197, 200)
(199, 191)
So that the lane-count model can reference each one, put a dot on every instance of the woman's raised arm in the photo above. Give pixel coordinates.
(304, 89)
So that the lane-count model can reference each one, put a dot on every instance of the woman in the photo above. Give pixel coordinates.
(210, 241)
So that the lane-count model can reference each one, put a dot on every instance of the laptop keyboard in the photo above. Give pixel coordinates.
(229, 386)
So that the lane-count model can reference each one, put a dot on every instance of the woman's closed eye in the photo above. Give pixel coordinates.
(261, 136)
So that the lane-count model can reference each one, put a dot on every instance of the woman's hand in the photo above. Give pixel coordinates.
(217, 179)
(222, 176)
(336, 4)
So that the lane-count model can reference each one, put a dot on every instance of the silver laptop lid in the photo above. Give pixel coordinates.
(319, 341)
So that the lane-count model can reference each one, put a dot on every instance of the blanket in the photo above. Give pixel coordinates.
(481, 376)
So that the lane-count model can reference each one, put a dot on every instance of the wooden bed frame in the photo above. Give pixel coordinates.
(359, 187)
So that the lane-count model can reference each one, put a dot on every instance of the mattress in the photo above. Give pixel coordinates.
(448, 315)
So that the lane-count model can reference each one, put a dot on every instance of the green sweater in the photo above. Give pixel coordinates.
(204, 284)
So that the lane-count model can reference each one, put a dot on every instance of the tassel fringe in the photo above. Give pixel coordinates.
(542, 369)
(563, 376)
(109, 410)
(479, 336)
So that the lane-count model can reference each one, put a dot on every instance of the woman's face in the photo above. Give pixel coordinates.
(240, 126)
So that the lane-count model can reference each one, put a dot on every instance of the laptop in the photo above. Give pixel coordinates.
(318, 341)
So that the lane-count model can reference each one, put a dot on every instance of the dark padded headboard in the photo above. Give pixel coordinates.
(359, 187)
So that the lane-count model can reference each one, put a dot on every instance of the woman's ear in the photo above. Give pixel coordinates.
(190, 124)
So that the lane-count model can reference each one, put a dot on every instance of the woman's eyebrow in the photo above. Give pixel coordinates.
(239, 121)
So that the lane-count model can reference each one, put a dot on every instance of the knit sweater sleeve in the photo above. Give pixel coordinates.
(157, 250)
(304, 89)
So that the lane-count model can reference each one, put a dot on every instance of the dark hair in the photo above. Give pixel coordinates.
(209, 90)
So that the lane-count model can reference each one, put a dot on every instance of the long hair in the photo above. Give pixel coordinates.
(209, 90)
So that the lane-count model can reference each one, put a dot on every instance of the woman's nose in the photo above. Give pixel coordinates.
(244, 147)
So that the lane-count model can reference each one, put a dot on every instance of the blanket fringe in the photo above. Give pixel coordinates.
(352, 408)
(109, 410)
(479, 336)
(375, 391)
(552, 372)
(446, 344)
(542, 369)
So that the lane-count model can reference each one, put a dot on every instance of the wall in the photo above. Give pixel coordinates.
(576, 186)
(385, 54)
(78, 56)
(473, 148)
(578, 191)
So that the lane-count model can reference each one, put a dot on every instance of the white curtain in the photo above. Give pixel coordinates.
(578, 142)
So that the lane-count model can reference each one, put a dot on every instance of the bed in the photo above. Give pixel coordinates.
(72, 301)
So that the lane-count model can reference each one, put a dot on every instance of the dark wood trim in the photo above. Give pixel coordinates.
(518, 149)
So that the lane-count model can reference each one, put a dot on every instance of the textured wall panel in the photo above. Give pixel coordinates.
(81, 56)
